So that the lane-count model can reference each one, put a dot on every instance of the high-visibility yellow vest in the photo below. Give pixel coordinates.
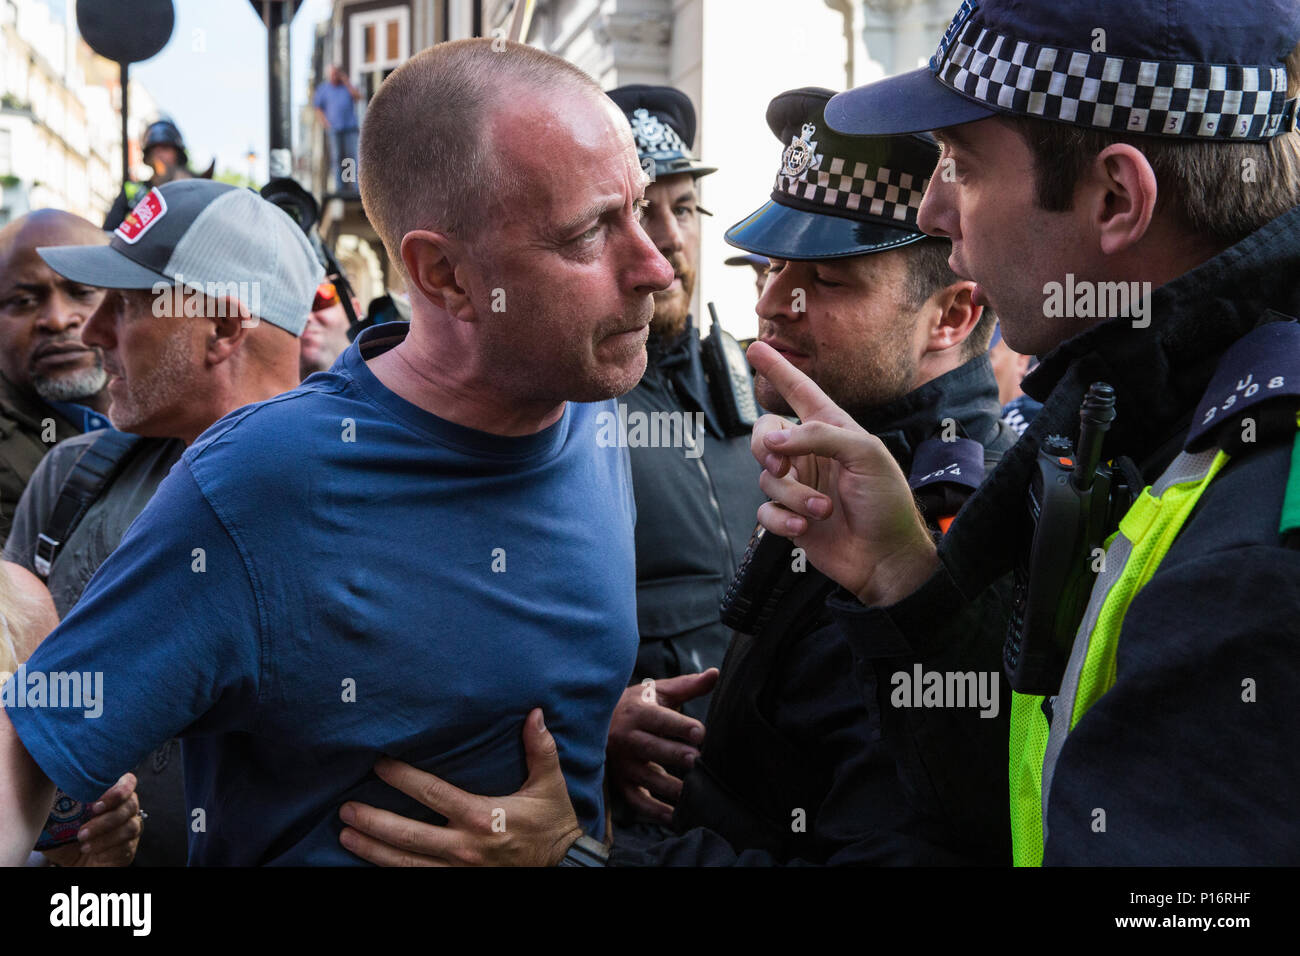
(1133, 553)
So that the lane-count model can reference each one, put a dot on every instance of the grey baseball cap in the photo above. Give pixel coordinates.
(207, 236)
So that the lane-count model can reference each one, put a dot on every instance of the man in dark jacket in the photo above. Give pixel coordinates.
(793, 767)
(695, 484)
(51, 385)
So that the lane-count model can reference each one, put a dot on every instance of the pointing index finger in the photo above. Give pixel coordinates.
(806, 400)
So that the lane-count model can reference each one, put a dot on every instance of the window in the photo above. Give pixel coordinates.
(380, 41)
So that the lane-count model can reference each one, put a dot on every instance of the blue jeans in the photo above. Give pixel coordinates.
(343, 146)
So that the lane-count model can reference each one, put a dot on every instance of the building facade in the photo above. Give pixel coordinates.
(60, 129)
(730, 56)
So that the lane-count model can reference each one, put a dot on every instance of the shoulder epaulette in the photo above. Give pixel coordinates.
(1254, 393)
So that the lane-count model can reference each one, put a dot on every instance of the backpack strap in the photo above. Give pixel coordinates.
(98, 465)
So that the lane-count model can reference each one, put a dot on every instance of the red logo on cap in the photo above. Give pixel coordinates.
(138, 221)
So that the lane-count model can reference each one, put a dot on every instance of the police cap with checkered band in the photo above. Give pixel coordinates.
(663, 125)
(835, 195)
(1195, 69)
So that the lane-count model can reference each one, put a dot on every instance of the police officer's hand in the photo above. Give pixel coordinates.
(837, 492)
(648, 734)
(532, 827)
(111, 837)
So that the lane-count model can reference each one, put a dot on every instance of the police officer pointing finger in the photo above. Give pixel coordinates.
(1160, 590)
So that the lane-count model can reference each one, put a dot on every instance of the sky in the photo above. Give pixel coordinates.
(211, 78)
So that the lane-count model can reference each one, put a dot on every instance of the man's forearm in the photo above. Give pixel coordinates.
(25, 797)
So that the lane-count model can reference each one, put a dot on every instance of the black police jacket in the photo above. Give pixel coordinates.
(796, 765)
(1187, 770)
(696, 506)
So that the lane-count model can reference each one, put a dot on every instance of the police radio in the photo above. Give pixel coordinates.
(1073, 507)
(731, 383)
(763, 579)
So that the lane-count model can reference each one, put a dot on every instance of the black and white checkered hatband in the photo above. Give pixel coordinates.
(859, 188)
(1100, 90)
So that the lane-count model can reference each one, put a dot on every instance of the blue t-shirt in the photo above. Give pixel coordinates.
(337, 104)
(336, 574)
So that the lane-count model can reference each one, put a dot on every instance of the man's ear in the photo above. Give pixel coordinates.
(435, 266)
(951, 316)
(231, 321)
(1119, 196)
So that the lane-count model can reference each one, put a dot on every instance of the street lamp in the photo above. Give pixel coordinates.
(127, 31)
(276, 15)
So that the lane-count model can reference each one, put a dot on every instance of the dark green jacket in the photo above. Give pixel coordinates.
(25, 423)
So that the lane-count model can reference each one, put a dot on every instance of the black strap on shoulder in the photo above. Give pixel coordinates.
(98, 465)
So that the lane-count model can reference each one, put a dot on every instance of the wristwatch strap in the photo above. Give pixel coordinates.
(586, 851)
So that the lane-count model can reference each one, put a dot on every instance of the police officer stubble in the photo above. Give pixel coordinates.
(848, 323)
(563, 258)
(672, 220)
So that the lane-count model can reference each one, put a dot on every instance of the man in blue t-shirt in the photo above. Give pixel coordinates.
(411, 553)
(334, 104)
